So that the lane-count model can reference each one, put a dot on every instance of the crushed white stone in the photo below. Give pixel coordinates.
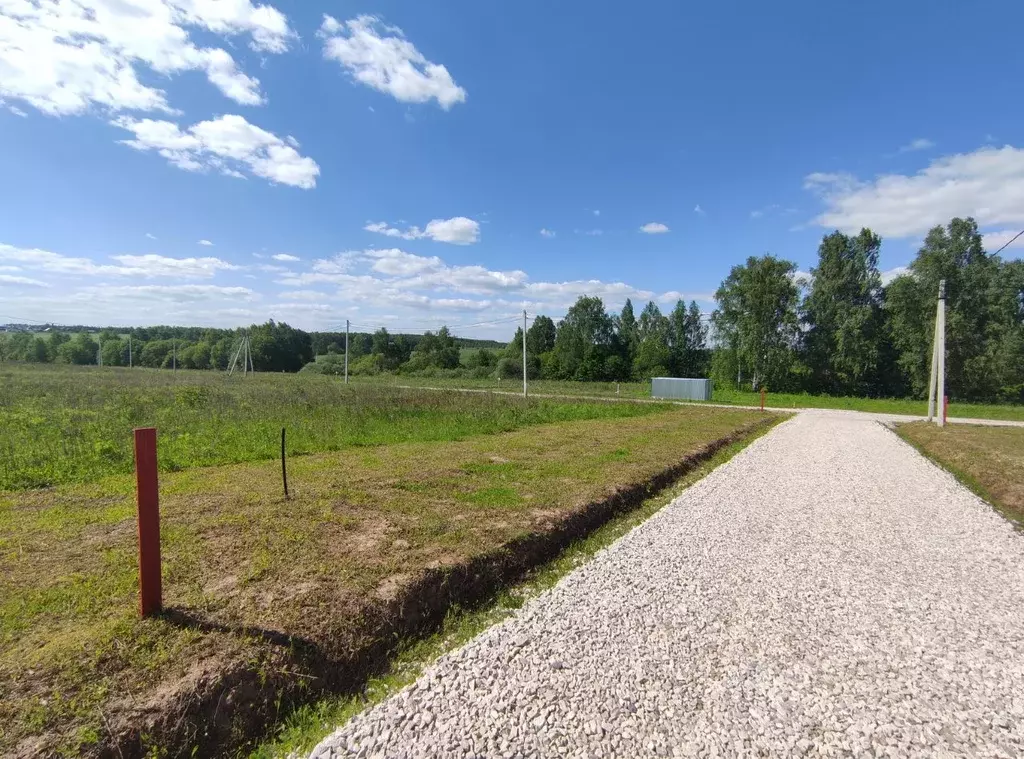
(828, 592)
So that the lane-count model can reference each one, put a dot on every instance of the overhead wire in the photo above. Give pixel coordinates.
(1008, 243)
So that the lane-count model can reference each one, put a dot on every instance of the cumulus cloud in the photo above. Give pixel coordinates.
(987, 184)
(227, 144)
(381, 57)
(390, 285)
(163, 266)
(11, 279)
(64, 56)
(654, 228)
(285, 257)
(311, 295)
(163, 293)
(1011, 238)
(395, 276)
(458, 230)
(890, 274)
(698, 210)
(145, 266)
(547, 233)
(207, 243)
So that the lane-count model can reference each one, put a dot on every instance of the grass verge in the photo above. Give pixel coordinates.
(300, 731)
(272, 603)
(642, 390)
(988, 460)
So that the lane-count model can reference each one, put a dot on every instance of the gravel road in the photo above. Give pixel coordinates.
(827, 592)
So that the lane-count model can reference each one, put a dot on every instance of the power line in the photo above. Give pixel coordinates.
(1008, 243)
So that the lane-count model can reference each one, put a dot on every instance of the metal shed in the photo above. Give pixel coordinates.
(675, 388)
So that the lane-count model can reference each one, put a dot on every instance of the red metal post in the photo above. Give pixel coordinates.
(147, 498)
(762, 399)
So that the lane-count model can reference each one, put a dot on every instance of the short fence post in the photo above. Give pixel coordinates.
(762, 399)
(148, 503)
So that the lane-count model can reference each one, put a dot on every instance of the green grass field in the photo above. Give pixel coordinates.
(62, 424)
(393, 483)
(642, 390)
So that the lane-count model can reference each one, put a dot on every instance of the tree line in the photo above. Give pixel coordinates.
(839, 331)
(843, 333)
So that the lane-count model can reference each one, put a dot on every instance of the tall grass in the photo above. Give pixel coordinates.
(61, 424)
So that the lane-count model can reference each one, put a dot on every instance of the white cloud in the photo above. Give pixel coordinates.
(698, 210)
(146, 266)
(227, 145)
(304, 295)
(285, 257)
(391, 286)
(987, 184)
(890, 274)
(150, 236)
(399, 263)
(674, 295)
(801, 278)
(589, 232)
(654, 228)
(921, 143)
(10, 279)
(163, 266)
(995, 240)
(64, 56)
(458, 230)
(547, 233)
(207, 243)
(380, 57)
(164, 293)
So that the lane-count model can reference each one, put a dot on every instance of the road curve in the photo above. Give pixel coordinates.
(828, 592)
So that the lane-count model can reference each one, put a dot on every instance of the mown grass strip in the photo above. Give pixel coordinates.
(989, 461)
(267, 595)
(301, 730)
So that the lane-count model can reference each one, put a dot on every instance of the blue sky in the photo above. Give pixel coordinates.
(414, 164)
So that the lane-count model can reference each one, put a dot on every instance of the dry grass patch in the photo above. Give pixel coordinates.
(272, 601)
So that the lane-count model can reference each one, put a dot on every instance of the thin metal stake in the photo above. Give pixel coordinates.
(284, 469)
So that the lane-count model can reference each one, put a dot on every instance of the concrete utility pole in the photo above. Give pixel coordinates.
(346, 351)
(937, 381)
(524, 352)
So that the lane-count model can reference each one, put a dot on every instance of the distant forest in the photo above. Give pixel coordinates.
(839, 331)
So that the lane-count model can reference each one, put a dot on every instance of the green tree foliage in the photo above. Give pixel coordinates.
(393, 351)
(982, 328)
(843, 316)
(756, 318)
(81, 349)
(114, 351)
(277, 347)
(434, 351)
(652, 356)
(540, 337)
(584, 341)
(688, 337)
